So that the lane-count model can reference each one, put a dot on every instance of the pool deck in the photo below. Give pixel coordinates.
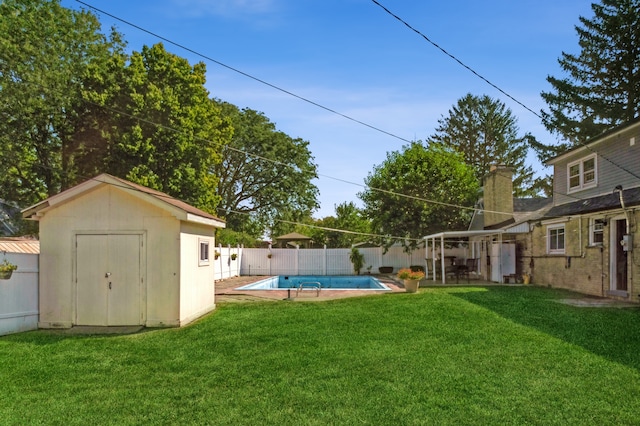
(226, 291)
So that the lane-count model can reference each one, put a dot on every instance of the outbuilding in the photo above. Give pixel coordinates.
(114, 253)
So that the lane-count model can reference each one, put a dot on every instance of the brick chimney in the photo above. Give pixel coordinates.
(498, 195)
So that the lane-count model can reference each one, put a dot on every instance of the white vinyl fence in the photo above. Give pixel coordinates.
(19, 295)
(291, 261)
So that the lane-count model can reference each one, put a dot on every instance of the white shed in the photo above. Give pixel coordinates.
(115, 253)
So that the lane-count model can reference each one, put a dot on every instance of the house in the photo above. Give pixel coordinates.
(587, 241)
(585, 237)
(115, 253)
(509, 218)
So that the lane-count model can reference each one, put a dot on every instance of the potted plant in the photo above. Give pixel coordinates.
(6, 269)
(216, 254)
(411, 279)
(357, 259)
(234, 256)
(269, 255)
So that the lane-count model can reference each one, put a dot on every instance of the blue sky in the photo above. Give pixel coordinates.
(354, 58)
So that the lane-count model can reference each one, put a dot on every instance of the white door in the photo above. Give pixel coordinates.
(108, 280)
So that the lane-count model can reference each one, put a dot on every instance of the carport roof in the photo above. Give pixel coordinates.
(464, 234)
(189, 213)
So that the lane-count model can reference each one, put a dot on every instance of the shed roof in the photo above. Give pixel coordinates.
(182, 210)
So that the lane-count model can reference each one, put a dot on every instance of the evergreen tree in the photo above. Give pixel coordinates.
(485, 132)
(602, 89)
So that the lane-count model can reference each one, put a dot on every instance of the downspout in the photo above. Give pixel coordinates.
(618, 189)
(582, 253)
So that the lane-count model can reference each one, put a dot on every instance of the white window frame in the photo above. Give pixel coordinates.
(557, 250)
(204, 254)
(596, 226)
(581, 174)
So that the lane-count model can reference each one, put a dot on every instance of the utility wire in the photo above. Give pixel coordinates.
(313, 103)
(273, 86)
(162, 126)
(495, 86)
(324, 228)
(456, 59)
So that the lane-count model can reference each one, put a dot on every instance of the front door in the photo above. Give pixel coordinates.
(108, 279)
(618, 256)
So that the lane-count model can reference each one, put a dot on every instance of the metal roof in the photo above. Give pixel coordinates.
(19, 245)
(463, 234)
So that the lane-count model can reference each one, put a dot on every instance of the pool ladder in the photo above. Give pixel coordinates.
(310, 285)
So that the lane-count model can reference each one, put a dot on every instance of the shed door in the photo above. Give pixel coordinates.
(108, 280)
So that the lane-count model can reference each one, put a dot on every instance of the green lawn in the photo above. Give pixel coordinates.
(495, 355)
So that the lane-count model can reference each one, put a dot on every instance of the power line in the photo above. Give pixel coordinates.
(456, 59)
(495, 86)
(162, 126)
(301, 98)
(259, 80)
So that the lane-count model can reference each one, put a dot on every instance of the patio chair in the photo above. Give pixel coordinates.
(472, 266)
(430, 270)
(456, 271)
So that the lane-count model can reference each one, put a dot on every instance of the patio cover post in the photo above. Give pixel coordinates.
(442, 257)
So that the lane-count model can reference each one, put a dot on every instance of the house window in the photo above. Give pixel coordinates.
(555, 239)
(596, 232)
(204, 252)
(582, 174)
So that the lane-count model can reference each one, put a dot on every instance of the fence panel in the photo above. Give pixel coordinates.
(324, 261)
(19, 295)
(311, 262)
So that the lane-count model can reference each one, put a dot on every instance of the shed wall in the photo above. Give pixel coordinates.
(197, 290)
(108, 210)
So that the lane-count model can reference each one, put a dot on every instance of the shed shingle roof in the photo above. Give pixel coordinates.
(108, 179)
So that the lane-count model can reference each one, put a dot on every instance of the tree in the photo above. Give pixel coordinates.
(348, 227)
(417, 191)
(357, 259)
(602, 89)
(51, 58)
(485, 132)
(265, 175)
(166, 133)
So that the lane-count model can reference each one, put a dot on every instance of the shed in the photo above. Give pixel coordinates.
(114, 253)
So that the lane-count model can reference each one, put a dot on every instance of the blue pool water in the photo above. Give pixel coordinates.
(326, 282)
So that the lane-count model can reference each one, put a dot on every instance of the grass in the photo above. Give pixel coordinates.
(466, 355)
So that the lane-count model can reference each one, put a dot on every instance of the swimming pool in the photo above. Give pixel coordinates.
(284, 282)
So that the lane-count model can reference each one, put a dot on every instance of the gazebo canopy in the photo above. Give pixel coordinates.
(292, 237)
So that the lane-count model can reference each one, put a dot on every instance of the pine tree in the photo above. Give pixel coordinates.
(485, 132)
(602, 89)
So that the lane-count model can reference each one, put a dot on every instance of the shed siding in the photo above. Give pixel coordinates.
(107, 210)
(197, 297)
